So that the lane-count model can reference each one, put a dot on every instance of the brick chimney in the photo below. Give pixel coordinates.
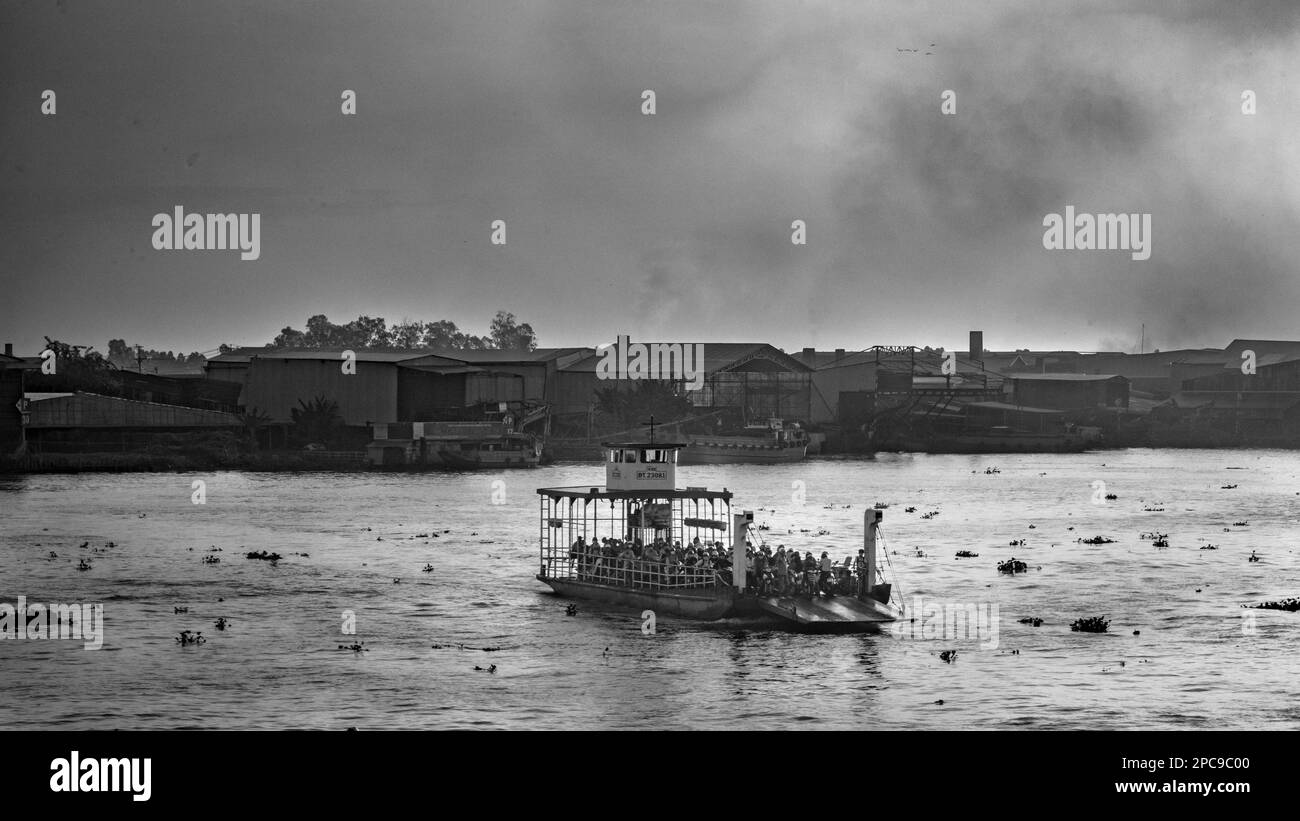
(839, 354)
(9, 349)
(976, 346)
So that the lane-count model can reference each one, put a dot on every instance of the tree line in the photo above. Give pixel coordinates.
(505, 333)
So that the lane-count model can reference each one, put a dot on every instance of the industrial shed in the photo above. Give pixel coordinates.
(87, 422)
(1069, 391)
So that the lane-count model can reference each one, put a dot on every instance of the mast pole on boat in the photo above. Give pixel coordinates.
(870, 521)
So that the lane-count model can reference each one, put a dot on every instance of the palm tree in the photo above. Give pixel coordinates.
(253, 421)
(316, 421)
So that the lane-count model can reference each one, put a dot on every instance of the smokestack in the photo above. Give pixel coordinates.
(9, 349)
(977, 346)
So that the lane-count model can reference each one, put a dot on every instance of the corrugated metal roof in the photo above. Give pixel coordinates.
(444, 370)
(1062, 377)
(498, 356)
(1009, 407)
(718, 356)
(32, 396)
(363, 355)
(89, 410)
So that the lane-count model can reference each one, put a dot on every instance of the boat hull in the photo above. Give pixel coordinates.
(1028, 443)
(484, 460)
(711, 453)
(705, 605)
(838, 613)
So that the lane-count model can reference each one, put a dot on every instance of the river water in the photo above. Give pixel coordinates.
(1178, 654)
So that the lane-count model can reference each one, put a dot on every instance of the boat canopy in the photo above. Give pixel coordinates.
(555, 493)
(644, 445)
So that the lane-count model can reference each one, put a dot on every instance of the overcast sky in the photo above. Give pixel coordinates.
(673, 227)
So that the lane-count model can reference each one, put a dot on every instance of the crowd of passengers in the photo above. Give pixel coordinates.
(781, 572)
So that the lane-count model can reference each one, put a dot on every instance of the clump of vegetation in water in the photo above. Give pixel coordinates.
(263, 555)
(1290, 605)
(186, 638)
(1097, 540)
(1032, 620)
(1012, 565)
(1092, 624)
(966, 554)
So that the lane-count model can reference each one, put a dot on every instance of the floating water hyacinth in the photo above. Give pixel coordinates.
(1012, 565)
(1092, 624)
(1290, 605)
(1097, 540)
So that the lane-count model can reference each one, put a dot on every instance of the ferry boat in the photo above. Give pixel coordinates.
(769, 443)
(641, 503)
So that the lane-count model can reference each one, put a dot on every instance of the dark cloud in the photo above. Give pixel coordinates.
(920, 225)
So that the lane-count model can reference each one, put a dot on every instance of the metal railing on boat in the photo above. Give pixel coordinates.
(638, 573)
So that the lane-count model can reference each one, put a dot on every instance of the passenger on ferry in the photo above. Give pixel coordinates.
(823, 579)
(781, 570)
(761, 578)
(796, 570)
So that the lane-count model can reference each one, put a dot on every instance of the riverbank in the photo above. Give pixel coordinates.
(355, 461)
(267, 461)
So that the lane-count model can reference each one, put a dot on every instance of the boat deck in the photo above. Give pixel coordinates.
(834, 612)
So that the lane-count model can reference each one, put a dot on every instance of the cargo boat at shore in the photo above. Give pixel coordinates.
(452, 446)
(640, 502)
(772, 443)
(993, 441)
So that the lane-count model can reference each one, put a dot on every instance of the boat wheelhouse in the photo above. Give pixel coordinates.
(620, 544)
